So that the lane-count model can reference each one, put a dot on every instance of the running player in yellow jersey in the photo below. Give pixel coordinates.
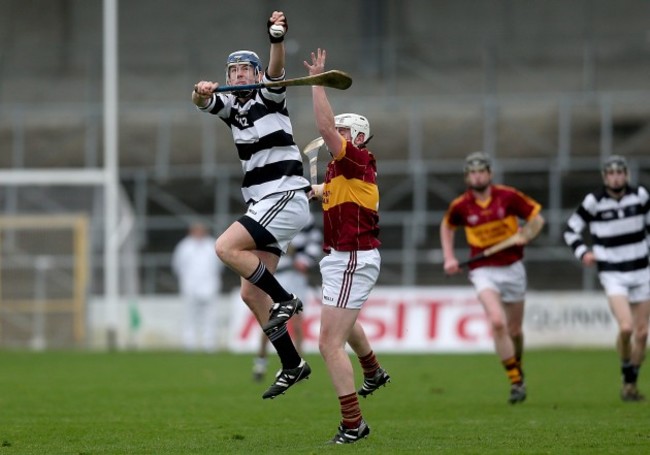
(490, 213)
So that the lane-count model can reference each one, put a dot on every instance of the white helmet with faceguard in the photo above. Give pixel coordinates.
(356, 123)
(243, 57)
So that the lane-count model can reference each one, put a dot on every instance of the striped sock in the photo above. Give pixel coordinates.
(513, 370)
(350, 410)
(369, 364)
(265, 280)
(281, 341)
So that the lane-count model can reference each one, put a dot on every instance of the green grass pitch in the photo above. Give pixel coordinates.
(84, 403)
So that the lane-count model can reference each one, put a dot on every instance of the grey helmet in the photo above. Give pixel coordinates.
(614, 163)
(477, 161)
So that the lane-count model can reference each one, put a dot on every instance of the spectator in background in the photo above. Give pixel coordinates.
(293, 273)
(618, 218)
(490, 214)
(198, 271)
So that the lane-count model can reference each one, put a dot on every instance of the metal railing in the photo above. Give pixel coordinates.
(559, 139)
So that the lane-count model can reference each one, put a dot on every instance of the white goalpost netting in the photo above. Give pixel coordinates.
(52, 256)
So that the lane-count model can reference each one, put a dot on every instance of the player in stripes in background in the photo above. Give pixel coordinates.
(490, 214)
(273, 187)
(618, 218)
(351, 266)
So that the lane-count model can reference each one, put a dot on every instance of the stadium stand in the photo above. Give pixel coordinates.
(547, 87)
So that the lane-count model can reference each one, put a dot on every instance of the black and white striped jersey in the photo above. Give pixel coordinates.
(261, 128)
(620, 229)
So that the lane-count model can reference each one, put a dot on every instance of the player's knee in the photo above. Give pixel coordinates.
(515, 331)
(625, 332)
(641, 335)
(322, 348)
(221, 249)
(248, 295)
(325, 348)
(498, 326)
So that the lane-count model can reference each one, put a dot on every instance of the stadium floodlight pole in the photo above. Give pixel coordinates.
(111, 132)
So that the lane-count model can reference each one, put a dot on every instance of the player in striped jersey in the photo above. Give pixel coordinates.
(490, 213)
(351, 267)
(274, 189)
(618, 218)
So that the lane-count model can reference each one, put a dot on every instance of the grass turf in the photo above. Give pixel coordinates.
(174, 403)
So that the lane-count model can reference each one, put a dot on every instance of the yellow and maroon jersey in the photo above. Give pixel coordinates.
(489, 222)
(351, 202)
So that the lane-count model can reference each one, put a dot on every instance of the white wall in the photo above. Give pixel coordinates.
(418, 319)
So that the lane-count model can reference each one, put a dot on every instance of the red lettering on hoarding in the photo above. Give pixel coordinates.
(248, 326)
(310, 328)
(465, 322)
(434, 309)
(375, 328)
(400, 320)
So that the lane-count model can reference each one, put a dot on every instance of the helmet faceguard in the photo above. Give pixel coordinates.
(614, 163)
(243, 57)
(477, 161)
(356, 123)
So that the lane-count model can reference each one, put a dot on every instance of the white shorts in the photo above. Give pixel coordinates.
(508, 280)
(348, 277)
(282, 215)
(633, 285)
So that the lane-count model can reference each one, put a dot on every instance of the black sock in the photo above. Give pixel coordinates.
(630, 372)
(287, 352)
(265, 280)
